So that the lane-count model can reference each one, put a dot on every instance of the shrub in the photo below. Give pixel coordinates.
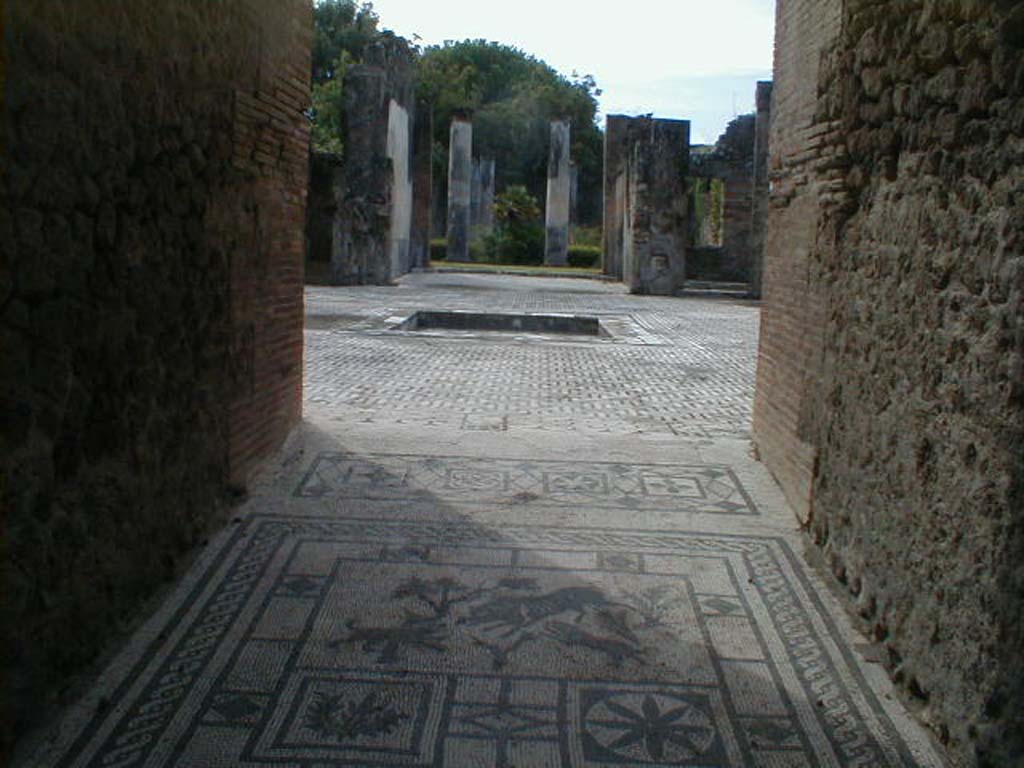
(480, 251)
(520, 243)
(584, 256)
(438, 250)
(587, 236)
(519, 238)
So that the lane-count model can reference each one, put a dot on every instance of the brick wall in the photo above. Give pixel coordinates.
(151, 316)
(790, 317)
(271, 154)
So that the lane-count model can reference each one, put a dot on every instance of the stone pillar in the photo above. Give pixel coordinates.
(460, 179)
(657, 226)
(399, 151)
(486, 223)
(574, 195)
(759, 222)
(422, 184)
(556, 242)
(615, 143)
(474, 200)
(481, 205)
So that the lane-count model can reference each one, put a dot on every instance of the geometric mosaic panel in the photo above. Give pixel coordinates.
(310, 641)
(702, 488)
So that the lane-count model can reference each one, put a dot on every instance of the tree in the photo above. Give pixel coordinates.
(342, 31)
(513, 97)
(340, 27)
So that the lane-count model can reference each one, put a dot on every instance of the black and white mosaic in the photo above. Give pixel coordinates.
(670, 367)
(330, 642)
(474, 480)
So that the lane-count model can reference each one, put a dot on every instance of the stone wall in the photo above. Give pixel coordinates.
(904, 225)
(732, 161)
(151, 319)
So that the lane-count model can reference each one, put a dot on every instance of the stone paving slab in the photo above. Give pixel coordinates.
(514, 553)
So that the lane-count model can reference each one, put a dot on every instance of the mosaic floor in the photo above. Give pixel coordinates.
(504, 551)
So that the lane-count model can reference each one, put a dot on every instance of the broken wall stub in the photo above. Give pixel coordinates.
(646, 226)
(893, 339)
(152, 304)
(373, 228)
(556, 219)
(460, 184)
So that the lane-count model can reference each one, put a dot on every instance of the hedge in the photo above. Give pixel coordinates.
(584, 256)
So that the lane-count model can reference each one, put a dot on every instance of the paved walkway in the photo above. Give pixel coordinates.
(490, 549)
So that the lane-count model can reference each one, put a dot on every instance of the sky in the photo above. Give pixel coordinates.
(697, 60)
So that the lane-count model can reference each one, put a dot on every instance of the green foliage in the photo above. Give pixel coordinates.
(342, 30)
(514, 206)
(328, 126)
(519, 237)
(520, 243)
(717, 212)
(708, 210)
(438, 249)
(512, 97)
(584, 256)
(340, 27)
(587, 236)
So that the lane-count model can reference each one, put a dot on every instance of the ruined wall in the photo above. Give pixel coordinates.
(151, 287)
(373, 228)
(913, 401)
(656, 227)
(731, 161)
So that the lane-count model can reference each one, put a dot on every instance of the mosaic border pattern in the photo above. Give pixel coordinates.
(180, 684)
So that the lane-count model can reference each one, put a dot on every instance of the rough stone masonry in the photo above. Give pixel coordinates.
(890, 399)
(152, 217)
